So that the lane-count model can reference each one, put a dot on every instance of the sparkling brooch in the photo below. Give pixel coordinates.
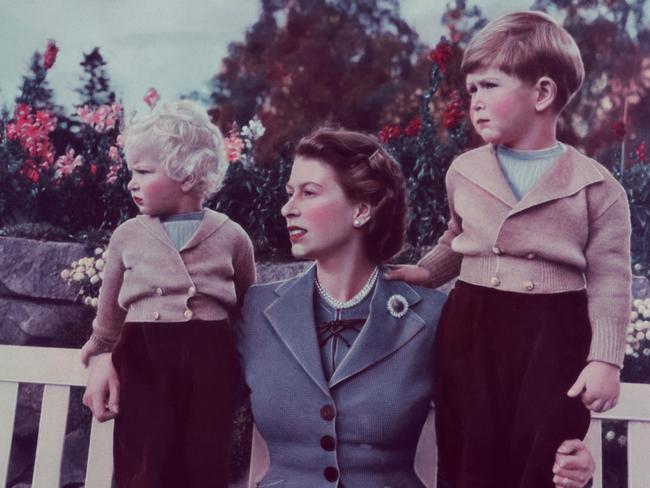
(397, 306)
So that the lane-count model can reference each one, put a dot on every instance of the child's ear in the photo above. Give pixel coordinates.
(188, 183)
(546, 93)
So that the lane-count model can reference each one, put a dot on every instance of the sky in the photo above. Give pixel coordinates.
(172, 45)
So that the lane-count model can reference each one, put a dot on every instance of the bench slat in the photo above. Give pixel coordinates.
(638, 450)
(633, 404)
(594, 442)
(54, 366)
(8, 396)
(51, 435)
(100, 455)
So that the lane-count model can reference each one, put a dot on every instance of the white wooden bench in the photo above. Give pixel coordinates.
(59, 369)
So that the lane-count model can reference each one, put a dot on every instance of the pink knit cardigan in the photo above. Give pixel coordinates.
(570, 231)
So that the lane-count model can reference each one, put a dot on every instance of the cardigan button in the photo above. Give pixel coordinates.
(188, 314)
(531, 255)
(159, 291)
(529, 285)
(328, 442)
(495, 281)
(496, 250)
(331, 474)
(191, 291)
(156, 315)
(327, 412)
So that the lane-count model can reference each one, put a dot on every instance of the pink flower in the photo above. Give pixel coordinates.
(111, 176)
(67, 163)
(32, 131)
(151, 97)
(49, 58)
(102, 118)
(641, 151)
(234, 146)
(114, 154)
(119, 142)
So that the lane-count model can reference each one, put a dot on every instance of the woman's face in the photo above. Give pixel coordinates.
(319, 215)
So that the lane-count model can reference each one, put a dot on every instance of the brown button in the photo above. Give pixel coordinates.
(331, 473)
(327, 412)
(191, 291)
(496, 250)
(531, 255)
(156, 315)
(188, 314)
(529, 285)
(495, 281)
(328, 442)
(159, 291)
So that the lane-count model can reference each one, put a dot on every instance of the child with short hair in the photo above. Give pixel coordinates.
(539, 235)
(174, 276)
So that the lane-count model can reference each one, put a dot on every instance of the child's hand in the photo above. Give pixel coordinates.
(90, 349)
(411, 273)
(598, 385)
(102, 389)
(574, 464)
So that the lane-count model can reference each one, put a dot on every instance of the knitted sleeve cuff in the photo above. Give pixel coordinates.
(101, 344)
(608, 340)
(442, 263)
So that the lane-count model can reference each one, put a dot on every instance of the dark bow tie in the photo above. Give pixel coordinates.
(333, 328)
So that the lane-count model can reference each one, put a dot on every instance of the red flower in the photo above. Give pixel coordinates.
(151, 97)
(234, 145)
(389, 132)
(49, 58)
(413, 127)
(93, 169)
(642, 151)
(441, 54)
(618, 130)
(454, 112)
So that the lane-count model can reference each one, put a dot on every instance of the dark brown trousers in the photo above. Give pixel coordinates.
(177, 388)
(504, 362)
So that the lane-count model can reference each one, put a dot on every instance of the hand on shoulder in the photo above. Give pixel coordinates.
(411, 273)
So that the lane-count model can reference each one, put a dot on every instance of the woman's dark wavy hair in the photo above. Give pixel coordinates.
(367, 173)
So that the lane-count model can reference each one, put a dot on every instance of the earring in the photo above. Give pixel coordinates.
(357, 223)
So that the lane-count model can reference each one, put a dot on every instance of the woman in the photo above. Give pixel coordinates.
(338, 360)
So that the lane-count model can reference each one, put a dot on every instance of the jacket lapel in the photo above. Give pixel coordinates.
(210, 222)
(565, 177)
(382, 334)
(154, 226)
(483, 169)
(292, 317)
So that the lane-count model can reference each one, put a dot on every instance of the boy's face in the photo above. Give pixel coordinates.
(152, 190)
(502, 107)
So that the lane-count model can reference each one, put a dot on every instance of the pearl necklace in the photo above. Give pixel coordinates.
(363, 293)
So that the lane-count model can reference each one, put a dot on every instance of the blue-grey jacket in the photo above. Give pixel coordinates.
(360, 429)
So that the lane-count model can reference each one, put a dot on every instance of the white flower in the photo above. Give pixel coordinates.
(98, 250)
(647, 302)
(647, 335)
(628, 350)
(630, 329)
(87, 300)
(99, 264)
(646, 314)
(637, 302)
(78, 276)
(94, 279)
(65, 274)
(80, 270)
(610, 435)
(646, 324)
(101, 275)
(622, 440)
(646, 352)
(91, 272)
(640, 336)
(105, 255)
(634, 315)
(641, 309)
(94, 302)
